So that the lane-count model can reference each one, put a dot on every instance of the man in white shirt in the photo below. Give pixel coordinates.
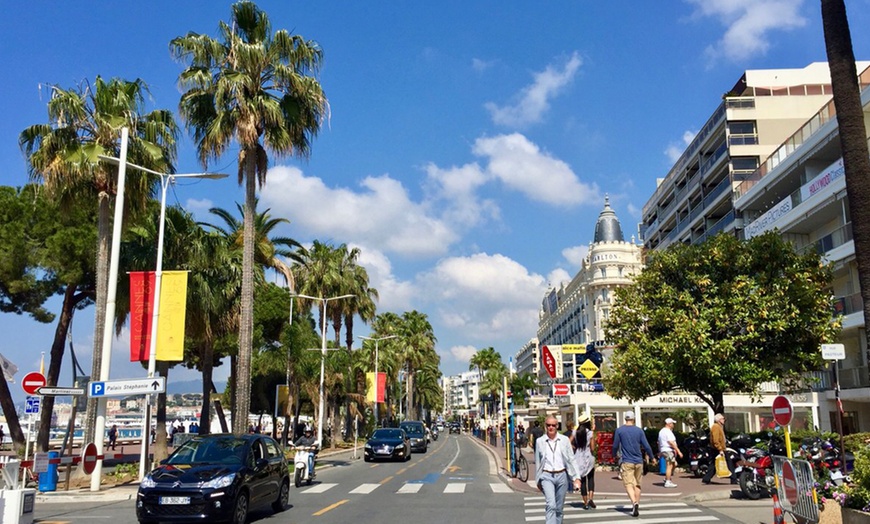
(668, 450)
(554, 468)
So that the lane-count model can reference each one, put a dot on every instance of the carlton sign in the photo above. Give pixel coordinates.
(549, 361)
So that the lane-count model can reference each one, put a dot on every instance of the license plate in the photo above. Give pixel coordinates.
(168, 501)
(694, 463)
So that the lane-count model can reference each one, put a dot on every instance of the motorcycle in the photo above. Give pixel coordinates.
(698, 453)
(303, 469)
(435, 433)
(824, 457)
(754, 469)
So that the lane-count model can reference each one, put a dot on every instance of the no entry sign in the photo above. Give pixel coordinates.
(782, 410)
(89, 458)
(32, 382)
(789, 483)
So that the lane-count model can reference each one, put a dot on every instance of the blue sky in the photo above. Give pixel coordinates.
(470, 144)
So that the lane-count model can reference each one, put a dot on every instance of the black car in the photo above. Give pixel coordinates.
(454, 427)
(216, 478)
(388, 443)
(417, 434)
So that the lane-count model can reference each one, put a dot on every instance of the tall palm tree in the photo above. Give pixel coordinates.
(63, 154)
(484, 360)
(419, 340)
(853, 137)
(319, 275)
(251, 86)
(389, 356)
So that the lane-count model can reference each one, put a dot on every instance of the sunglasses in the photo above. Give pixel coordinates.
(552, 425)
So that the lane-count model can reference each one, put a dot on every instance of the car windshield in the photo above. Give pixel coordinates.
(387, 433)
(413, 429)
(218, 450)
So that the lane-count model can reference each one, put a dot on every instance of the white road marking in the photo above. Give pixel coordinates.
(455, 487)
(364, 489)
(319, 488)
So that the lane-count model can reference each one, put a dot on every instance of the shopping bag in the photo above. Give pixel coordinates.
(722, 470)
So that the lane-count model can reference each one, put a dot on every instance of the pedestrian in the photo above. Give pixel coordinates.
(535, 432)
(113, 436)
(630, 440)
(570, 431)
(2, 436)
(719, 445)
(584, 455)
(668, 450)
(554, 469)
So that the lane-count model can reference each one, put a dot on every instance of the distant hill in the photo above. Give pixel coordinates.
(191, 386)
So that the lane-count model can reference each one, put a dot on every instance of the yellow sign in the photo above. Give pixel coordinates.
(589, 369)
(173, 306)
(573, 349)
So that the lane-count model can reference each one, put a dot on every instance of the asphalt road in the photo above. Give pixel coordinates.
(457, 480)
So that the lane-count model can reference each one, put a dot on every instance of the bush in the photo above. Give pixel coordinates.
(856, 441)
(856, 495)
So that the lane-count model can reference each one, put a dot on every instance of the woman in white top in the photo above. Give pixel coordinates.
(583, 442)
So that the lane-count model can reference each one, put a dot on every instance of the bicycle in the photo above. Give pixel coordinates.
(519, 464)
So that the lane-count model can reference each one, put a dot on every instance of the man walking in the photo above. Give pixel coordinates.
(719, 444)
(554, 460)
(668, 450)
(631, 442)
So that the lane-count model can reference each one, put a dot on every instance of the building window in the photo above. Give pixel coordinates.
(743, 165)
(742, 133)
(603, 272)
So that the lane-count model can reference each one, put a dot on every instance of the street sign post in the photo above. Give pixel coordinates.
(561, 389)
(60, 392)
(32, 382)
(122, 388)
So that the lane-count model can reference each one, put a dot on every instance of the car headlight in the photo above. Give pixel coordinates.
(148, 482)
(220, 482)
(368, 446)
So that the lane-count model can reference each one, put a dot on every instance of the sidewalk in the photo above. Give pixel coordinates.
(607, 485)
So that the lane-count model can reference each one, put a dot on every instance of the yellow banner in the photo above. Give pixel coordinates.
(573, 349)
(170, 320)
(370, 387)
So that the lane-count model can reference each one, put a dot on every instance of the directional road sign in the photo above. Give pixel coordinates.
(60, 391)
(32, 381)
(31, 405)
(122, 388)
(561, 389)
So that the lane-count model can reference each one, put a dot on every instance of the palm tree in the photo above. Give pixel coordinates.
(521, 386)
(389, 357)
(853, 137)
(419, 345)
(252, 87)
(63, 154)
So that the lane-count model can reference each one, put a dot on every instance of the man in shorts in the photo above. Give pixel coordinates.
(630, 440)
(668, 450)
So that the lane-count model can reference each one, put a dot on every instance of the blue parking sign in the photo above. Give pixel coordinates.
(31, 405)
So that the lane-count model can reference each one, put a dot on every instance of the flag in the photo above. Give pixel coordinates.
(42, 364)
(374, 394)
(141, 311)
(9, 369)
(170, 325)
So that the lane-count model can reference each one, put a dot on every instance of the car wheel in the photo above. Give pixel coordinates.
(297, 478)
(283, 501)
(240, 509)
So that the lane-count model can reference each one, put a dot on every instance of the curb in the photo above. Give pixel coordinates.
(514, 483)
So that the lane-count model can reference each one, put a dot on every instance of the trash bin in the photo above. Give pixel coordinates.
(48, 479)
(663, 465)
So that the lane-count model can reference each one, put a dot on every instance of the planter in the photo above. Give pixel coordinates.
(831, 513)
(853, 516)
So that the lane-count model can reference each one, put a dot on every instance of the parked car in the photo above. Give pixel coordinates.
(455, 428)
(417, 434)
(387, 443)
(217, 477)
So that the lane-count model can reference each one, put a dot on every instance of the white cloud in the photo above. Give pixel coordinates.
(456, 190)
(748, 24)
(575, 255)
(463, 353)
(557, 277)
(480, 65)
(484, 297)
(522, 166)
(534, 100)
(395, 294)
(382, 214)
(676, 149)
(198, 207)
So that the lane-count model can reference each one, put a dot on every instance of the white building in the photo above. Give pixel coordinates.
(462, 393)
(527, 358)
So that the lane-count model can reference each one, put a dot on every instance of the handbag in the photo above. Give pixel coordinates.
(722, 470)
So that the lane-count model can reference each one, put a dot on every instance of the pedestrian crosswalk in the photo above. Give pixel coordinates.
(618, 511)
(406, 488)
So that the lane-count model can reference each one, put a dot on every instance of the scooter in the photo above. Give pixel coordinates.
(435, 433)
(303, 471)
(698, 453)
(754, 470)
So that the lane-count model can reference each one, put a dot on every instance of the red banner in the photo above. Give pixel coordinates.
(382, 386)
(141, 313)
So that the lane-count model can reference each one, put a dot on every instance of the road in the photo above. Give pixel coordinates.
(457, 480)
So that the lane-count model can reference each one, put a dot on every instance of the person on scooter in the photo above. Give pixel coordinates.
(307, 440)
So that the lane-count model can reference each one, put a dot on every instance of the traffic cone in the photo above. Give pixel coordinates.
(778, 517)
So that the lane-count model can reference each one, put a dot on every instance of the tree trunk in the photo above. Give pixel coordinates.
(219, 409)
(161, 450)
(55, 360)
(853, 138)
(11, 414)
(412, 410)
(242, 404)
(102, 270)
(207, 368)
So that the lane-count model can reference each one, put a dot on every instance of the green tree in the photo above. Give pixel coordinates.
(853, 137)
(720, 316)
(63, 154)
(418, 341)
(251, 86)
(522, 386)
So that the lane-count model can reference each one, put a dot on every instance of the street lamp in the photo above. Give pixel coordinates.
(377, 384)
(165, 180)
(322, 360)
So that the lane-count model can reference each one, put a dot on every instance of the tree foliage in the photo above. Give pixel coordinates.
(722, 316)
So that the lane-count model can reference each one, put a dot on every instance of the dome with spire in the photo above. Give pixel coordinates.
(607, 229)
